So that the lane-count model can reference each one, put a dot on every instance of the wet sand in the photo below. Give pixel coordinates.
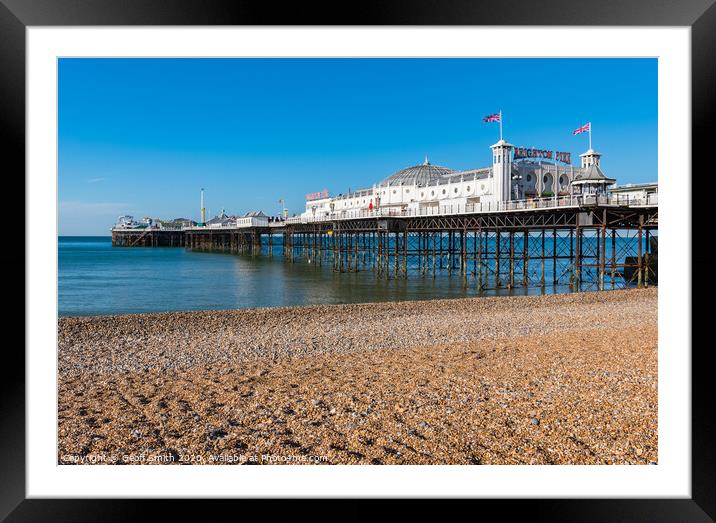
(520, 380)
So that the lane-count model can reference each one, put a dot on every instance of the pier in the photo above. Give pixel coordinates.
(148, 237)
(586, 243)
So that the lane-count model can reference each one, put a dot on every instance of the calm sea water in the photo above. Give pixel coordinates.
(95, 278)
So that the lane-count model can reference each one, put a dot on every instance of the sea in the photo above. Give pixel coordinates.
(95, 278)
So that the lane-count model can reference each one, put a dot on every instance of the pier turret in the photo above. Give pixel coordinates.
(502, 170)
(591, 157)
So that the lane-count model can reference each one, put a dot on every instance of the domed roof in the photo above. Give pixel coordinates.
(417, 174)
(592, 174)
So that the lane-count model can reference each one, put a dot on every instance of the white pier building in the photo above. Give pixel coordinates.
(515, 174)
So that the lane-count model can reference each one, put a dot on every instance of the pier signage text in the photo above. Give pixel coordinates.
(317, 195)
(560, 156)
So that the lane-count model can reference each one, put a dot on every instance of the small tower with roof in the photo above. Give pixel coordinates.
(591, 180)
(591, 157)
(502, 170)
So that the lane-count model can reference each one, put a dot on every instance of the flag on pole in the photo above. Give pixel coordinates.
(497, 117)
(587, 127)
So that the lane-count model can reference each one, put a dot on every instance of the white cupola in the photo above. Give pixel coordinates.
(591, 157)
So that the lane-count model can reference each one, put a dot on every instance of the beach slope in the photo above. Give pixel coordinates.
(556, 379)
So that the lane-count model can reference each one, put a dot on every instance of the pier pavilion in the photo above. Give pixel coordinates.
(515, 174)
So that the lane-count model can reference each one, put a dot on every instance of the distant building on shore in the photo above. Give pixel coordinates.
(516, 173)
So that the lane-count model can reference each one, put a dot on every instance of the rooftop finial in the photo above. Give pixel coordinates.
(426, 162)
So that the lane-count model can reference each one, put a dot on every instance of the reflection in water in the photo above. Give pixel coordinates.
(95, 278)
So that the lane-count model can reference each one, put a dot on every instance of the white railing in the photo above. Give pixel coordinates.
(585, 200)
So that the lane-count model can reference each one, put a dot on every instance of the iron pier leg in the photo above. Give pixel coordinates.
(579, 256)
(512, 259)
(571, 259)
(542, 279)
(497, 258)
(602, 261)
(479, 260)
(647, 247)
(554, 257)
(640, 257)
(405, 252)
(525, 258)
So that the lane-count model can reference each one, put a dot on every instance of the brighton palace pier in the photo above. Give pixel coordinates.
(530, 219)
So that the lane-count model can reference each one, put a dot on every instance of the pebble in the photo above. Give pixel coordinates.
(392, 366)
(151, 340)
(217, 433)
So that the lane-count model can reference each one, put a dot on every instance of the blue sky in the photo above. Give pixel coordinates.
(142, 136)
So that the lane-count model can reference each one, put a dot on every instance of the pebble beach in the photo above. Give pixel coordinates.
(557, 379)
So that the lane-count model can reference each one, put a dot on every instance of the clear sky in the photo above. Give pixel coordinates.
(142, 136)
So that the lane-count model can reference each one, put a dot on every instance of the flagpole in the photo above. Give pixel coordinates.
(500, 124)
(590, 135)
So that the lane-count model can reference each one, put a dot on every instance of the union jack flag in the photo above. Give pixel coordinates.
(492, 118)
(585, 128)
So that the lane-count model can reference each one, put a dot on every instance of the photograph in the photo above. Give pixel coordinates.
(357, 261)
(394, 252)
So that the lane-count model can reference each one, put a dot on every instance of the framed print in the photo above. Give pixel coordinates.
(413, 254)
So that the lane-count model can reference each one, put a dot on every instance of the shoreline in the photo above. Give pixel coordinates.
(564, 378)
(284, 308)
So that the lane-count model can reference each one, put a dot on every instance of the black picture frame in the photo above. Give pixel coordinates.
(17, 15)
